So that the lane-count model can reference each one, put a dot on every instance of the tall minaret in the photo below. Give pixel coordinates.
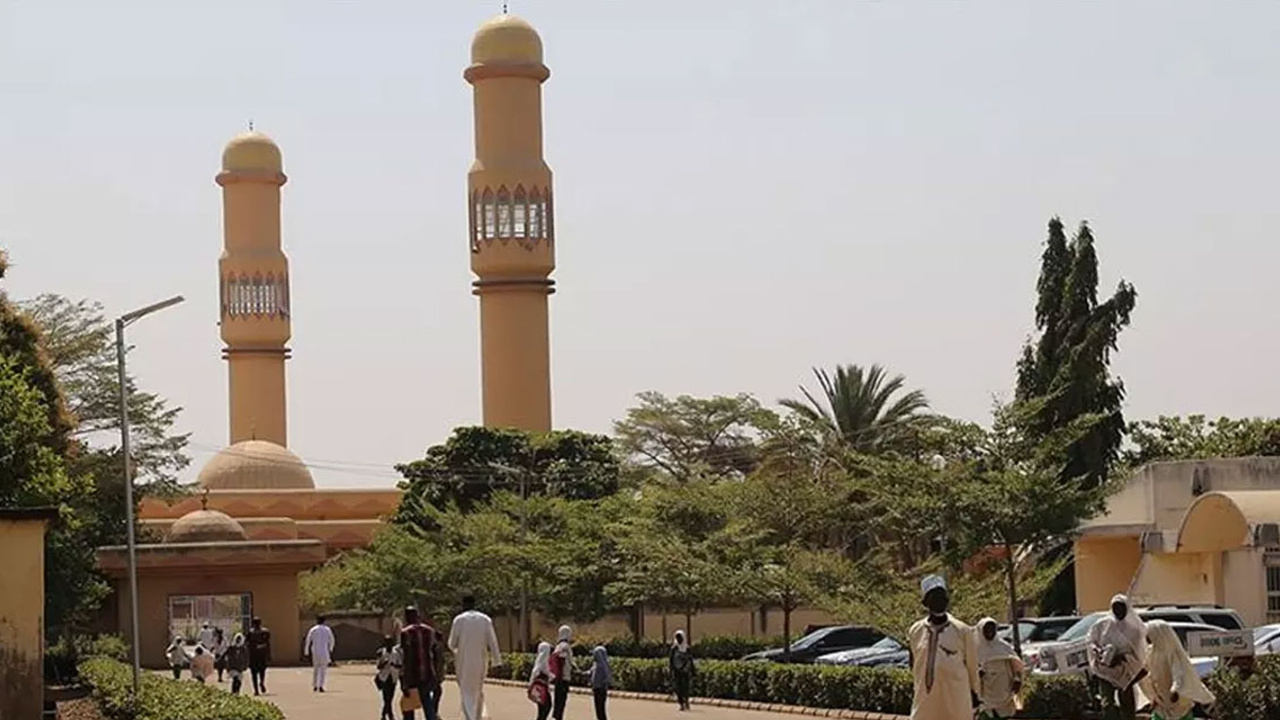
(512, 231)
(253, 276)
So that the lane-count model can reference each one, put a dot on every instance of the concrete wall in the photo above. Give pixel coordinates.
(1104, 566)
(274, 597)
(22, 620)
(1244, 579)
(1176, 578)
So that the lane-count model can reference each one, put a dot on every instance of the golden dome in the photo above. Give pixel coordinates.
(506, 39)
(255, 465)
(252, 151)
(205, 526)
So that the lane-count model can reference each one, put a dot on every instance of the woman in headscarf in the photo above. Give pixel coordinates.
(999, 673)
(681, 661)
(177, 656)
(540, 681)
(562, 670)
(237, 661)
(601, 676)
(219, 650)
(1172, 684)
(1118, 654)
(201, 664)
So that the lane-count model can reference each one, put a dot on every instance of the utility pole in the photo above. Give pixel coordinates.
(522, 475)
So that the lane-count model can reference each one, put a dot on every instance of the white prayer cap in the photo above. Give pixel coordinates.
(930, 583)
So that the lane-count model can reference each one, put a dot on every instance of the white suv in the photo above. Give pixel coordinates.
(1050, 664)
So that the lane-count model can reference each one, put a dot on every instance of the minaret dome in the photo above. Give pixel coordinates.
(252, 151)
(506, 40)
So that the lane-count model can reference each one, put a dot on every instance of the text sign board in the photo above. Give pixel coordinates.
(1227, 643)
(1073, 657)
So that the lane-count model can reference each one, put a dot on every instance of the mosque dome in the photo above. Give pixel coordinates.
(252, 151)
(506, 39)
(205, 526)
(255, 465)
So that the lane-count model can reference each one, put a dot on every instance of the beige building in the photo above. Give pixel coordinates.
(22, 533)
(1198, 531)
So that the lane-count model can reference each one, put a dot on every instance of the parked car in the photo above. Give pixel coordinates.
(1266, 641)
(822, 642)
(1034, 633)
(886, 652)
(1048, 662)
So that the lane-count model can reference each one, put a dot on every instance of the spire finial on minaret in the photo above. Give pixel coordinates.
(504, 8)
(204, 500)
(250, 124)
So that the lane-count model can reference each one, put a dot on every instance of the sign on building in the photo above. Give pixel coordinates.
(1227, 643)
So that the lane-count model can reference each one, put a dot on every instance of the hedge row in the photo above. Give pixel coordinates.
(62, 657)
(162, 698)
(888, 690)
(712, 647)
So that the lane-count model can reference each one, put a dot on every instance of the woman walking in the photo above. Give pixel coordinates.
(999, 674)
(388, 663)
(681, 661)
(601, 676)
(219, 651)
(201, 665)
(540, 681)
(1172, 684)
(562, 670)
(177, 656)
(237, 661)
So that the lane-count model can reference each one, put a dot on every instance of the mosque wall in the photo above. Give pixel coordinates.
(1104, 566)
(22, 618)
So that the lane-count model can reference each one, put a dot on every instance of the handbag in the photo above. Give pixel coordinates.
(539, 693)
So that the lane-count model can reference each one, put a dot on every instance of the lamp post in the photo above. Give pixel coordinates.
(121, 323)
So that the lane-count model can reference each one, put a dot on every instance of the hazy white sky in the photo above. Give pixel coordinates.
(744, 189)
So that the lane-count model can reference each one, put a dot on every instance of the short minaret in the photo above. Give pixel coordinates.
(512, 229)
(253, 277)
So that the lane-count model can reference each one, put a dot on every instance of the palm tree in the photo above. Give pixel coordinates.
(859, 410)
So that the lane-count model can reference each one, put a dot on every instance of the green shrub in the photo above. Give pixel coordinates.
(1065, 697)
(872, 689)
(1253, 697)
(712, 647)
(161, 698)
(62, 657)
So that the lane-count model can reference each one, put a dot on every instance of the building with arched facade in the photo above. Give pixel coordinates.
(1201, 532)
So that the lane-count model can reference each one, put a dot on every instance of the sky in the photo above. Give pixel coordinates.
(744, 191)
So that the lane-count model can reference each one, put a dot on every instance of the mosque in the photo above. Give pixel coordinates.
(235, 549)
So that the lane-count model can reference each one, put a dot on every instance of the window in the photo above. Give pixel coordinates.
(504, 213)
(535, 217)
(490, 222)
(1273, 587)
(1222, 620)
(229, 612)
(548, 224)
(518, 212)
(477, 220)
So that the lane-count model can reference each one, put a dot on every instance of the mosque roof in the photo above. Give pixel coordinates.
(506, 39)
(255, 465)
(252, 151)
(205, 526)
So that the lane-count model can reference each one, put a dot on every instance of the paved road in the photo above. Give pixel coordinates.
(351, 695)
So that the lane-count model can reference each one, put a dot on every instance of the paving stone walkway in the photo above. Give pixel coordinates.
(350, 695)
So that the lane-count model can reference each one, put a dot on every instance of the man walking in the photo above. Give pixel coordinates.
(475, 648)
(259, 641)
(944, 659)
(419, 681)
(319, 646)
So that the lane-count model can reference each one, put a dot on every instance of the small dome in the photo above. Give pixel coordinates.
(506, 39)
(255, 465)
(252, 151)
(205, 526)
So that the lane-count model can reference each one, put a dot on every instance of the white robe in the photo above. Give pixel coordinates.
(319, 646)
(1170, 671)
(1126, 639)
(475, 647)
(999, 669)
(955, 670)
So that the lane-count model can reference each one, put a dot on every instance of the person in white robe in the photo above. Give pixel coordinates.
(944, 659)
(207, 636)
(319, 647)
(1118, 654)
(475, 647)
(1172, 684)
(1000, 672)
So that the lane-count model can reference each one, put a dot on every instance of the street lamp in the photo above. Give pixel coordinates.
(121, 322)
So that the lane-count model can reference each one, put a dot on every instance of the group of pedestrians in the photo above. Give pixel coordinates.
(213, 654)
(959, 670)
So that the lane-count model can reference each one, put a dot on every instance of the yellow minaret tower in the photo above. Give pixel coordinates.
(253, 276)
(512, 231)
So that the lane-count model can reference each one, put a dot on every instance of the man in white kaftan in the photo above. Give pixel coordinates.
(944, 660)
(475, 647)
(319, 645)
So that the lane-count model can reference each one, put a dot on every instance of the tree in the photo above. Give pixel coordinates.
(1063, 374)
(79, 342)
(467, 468)
(685, 438)
(857, 408)
(1194, 437)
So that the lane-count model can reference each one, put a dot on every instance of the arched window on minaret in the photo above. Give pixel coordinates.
(237, 288)
(504, 213)
(548, 224)
(229, 296)
(259, 307)
(269, 289)
(284, 295)
(477, 220)
(519, 211)
(535, 216)
(490, 220)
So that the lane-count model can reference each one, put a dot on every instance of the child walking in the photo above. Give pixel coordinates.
(601, 676)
